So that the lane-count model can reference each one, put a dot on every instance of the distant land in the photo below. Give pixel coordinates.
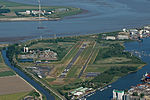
(12, 11)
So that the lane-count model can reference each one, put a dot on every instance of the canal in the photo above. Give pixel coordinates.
(28, 79)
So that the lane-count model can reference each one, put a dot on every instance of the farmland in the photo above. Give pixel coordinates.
(15, 96)
(11, 85)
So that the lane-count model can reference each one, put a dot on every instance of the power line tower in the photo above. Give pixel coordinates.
(39, 8)
(41, 37)
(55, 36)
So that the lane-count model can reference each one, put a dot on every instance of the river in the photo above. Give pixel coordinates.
(28, 79)
(131, 79)
(102, 16)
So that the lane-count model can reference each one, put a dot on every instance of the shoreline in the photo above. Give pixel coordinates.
(16, 39)
(109, 84)
(106, 86)
(58, 12)
(28, 19)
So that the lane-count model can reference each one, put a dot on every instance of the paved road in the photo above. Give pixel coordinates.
(64, 73)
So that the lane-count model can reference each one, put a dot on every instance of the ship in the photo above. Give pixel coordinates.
(40, 27)
(146, 77)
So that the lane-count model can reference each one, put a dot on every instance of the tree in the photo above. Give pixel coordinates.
(142, 95)
(135, 94)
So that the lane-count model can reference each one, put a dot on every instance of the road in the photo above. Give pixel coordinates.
(64, 73)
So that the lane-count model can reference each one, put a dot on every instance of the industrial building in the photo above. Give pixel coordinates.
(38, 55)
(118, 95)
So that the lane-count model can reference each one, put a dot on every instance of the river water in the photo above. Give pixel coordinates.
(102, 16)
(28, 79)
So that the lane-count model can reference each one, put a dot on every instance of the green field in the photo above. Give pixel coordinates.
(76, 68)
(50, 79)
(74, 72)
(11, 4)
(2, 64)
(98, 68)
(114, 60)
(85, 54)
(16, 96)
(1, 59)
(53, 46)
(7, 73)
(104, 67)
(71, 53)
(95, 52)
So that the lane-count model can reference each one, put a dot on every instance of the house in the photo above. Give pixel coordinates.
(27, 12)
(122, 37)
(110, 38)
(1, 6)
(49, 12)
(133, 31)
(35, 12)
(124, 30)
(147, 27)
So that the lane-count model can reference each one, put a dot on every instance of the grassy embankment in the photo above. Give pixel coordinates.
(16, 96)
(19, 96)
(13, 7)
(4, 70)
